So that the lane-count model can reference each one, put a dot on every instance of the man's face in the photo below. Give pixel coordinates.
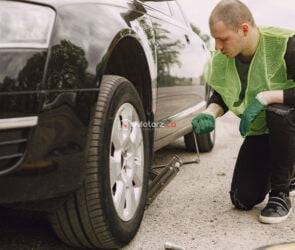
(228, 41)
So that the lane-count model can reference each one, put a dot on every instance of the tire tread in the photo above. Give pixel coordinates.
(81, 222)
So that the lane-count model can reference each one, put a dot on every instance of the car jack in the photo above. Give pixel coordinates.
(161, 175)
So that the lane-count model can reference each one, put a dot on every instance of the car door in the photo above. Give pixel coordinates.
(193, 58)
(180, 59)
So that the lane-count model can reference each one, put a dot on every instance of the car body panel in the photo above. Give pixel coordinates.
(181, 56)
(60, 86)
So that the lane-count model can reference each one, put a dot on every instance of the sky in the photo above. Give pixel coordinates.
(266, 12)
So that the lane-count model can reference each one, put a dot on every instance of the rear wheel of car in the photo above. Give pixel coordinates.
(205, 142)
(107, 210)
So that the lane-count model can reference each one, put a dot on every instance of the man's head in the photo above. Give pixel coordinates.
(231, 24)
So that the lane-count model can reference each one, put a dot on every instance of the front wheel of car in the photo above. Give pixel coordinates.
(107, 210)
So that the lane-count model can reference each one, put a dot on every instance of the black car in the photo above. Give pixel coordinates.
(89, 91)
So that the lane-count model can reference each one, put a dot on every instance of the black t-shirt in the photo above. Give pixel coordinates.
(243, 68)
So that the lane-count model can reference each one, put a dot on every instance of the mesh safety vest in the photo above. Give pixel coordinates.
(267, 71)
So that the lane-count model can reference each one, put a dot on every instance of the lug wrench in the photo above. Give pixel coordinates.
(181, 162)
(168, 172)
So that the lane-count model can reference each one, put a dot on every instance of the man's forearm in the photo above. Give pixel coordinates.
(271, 96)
(214, 109)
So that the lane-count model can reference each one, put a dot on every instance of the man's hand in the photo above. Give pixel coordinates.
(257, 105)
(203, 123)
(249, 115)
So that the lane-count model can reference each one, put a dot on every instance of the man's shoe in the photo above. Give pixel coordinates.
(277, 209)
(292, 188)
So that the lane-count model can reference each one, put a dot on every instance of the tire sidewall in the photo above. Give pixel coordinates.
(205, 142)
(122, 230)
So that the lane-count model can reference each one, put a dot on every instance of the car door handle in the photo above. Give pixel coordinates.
(187, 38)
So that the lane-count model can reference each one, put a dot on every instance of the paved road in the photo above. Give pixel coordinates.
(194, 211)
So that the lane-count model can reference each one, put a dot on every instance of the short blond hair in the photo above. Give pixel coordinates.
(232, 13)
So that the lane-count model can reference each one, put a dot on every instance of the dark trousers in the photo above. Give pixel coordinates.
(265, 162)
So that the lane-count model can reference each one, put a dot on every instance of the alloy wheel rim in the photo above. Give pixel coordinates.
(126, 161)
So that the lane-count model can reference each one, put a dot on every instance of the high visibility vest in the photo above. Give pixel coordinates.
(267, 71)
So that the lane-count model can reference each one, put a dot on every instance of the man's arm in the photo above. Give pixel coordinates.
(265, 98)
(214, 109)
(216, 105)
(287, 96)
(205, 121)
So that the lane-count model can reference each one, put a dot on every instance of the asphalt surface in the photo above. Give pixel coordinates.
(194, 210)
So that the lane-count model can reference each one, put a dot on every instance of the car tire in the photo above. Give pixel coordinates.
(190, 143)
(100, 215)
(205, 142)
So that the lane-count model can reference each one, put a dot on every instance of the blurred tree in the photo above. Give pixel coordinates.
(168, 54)
(205, 37)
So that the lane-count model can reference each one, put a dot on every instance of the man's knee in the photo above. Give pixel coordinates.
(245, 201)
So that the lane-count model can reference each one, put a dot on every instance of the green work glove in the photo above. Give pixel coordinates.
(203, 123)
(249, 115)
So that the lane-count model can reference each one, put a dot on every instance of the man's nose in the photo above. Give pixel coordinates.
(218, 45)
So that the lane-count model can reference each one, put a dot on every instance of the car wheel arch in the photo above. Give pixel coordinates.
(137, 72)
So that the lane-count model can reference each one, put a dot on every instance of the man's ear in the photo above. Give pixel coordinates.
(245, 28)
